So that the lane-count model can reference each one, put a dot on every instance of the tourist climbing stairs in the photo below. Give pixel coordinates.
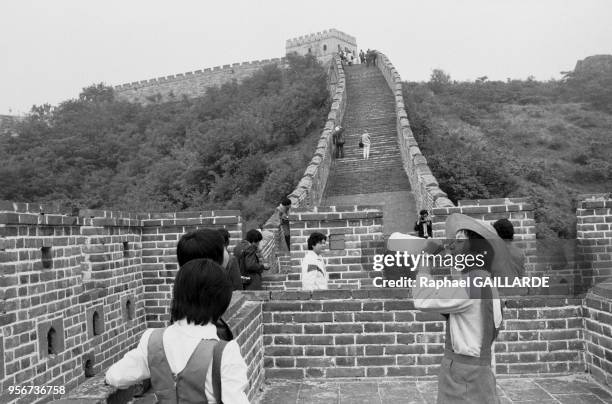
(381, 179)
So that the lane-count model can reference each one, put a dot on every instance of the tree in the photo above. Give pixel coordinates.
(439, 81)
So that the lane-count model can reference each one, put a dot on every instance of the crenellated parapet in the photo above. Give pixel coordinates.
(322, 44)
(319, 36)
(190, 84)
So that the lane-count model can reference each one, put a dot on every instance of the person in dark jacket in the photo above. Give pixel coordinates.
(248, 260)
(423, 225)
(231, 263)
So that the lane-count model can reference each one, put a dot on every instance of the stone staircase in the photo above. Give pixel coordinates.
(371, 106)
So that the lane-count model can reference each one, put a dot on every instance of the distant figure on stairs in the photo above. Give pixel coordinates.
(423, 225)
(362, 57)
(338, 139)
(314, 274)
(365, 139)
(368, 57)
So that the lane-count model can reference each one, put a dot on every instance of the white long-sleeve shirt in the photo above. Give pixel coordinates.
(314, 274)
(465, 318)
(180, 341)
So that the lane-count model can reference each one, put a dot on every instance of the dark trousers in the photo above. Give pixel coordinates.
(340, 150)
(288, 241)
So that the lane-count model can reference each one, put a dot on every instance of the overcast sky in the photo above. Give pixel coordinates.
(50, 50)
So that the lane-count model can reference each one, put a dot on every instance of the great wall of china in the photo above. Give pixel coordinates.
(78, 288)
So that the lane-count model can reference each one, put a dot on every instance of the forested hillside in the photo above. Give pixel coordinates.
(549, 141)
(242, 146)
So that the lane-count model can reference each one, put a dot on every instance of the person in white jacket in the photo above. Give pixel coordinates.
(314, 274)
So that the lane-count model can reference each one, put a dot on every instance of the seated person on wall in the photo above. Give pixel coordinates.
(186, 361)
(314, 274)
(248, 260)
(205, 243)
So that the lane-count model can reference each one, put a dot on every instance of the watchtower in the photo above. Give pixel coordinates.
(323, 45)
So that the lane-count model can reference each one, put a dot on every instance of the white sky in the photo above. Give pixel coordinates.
(50, 50)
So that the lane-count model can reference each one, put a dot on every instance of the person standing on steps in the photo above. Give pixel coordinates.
(366, 141)
(283, 216)
(362, 57)
(368, 57)
(338, 138)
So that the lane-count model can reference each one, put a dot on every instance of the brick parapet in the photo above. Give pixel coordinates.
(378, 333)
(319, 36)
(354, 237)
(598, 333)
(425, 187)
(594, 239)
(192, 84)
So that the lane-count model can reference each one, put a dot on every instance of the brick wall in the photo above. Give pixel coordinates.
(518, 210)
(58, 272)
(190, 84)
(77, 290)
(425, 187)
(598, 332)
(354, 237)
(376, 333)
(594, 234)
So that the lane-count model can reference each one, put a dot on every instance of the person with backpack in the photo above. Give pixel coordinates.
(205, 243)
(248, 260)
(473, 314)
(187, 362)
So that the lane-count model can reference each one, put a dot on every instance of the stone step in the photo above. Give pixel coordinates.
(370, 106)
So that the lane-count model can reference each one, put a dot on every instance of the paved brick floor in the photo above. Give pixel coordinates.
(578, 389)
